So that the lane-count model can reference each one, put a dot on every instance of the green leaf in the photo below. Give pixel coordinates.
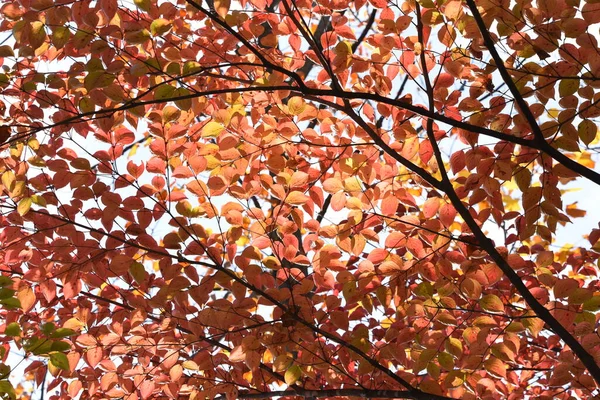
(292, 375)
(190, 67)
(95, 64)
(446, 361)
(4, 370)
(6, 293)
(427, 3)
(164, 92)
(5, 281)
(10, 303)
(98, 79)
(424, 289)
(59, 345)
(183, 104)
(6, 388)
(62, 333)
(60, 36)
(38, 346)
(567, 87)
(138, 272)
(60, 360)
(4, 80)
(48, 328)
(13, 329)
(86, 105)
(592, 304)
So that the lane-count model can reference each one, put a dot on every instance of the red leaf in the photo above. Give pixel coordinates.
(146, 389)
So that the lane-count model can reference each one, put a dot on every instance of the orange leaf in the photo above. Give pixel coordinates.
(495, 367)
(27, 298)
(296, 198)
(222, 7)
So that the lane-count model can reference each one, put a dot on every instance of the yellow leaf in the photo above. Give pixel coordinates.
(271, 262)
(160, 26)
(352, 184)
(143, 5)
(343, 49)
(212, 129)
(503, 352)
(24, 205)
(74, 323)
(190, 365)
(137, 37)
(296, 105)
(491, 303)
(454, 346)
(553, 113)
(8, 180)
(39, 200)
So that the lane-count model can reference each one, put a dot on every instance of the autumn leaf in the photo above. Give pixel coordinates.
(491, 303)
(160, 27)
(24, 205)
(212, 199)
(143, 5)
(292, 375)
(212, 129)
(495, 367)
(296, 198)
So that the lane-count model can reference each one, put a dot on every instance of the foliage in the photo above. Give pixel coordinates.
(330, 199)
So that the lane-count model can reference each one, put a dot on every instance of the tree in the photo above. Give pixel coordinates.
(303, 199)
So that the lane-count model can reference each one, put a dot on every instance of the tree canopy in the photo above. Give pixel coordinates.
(299, 199)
